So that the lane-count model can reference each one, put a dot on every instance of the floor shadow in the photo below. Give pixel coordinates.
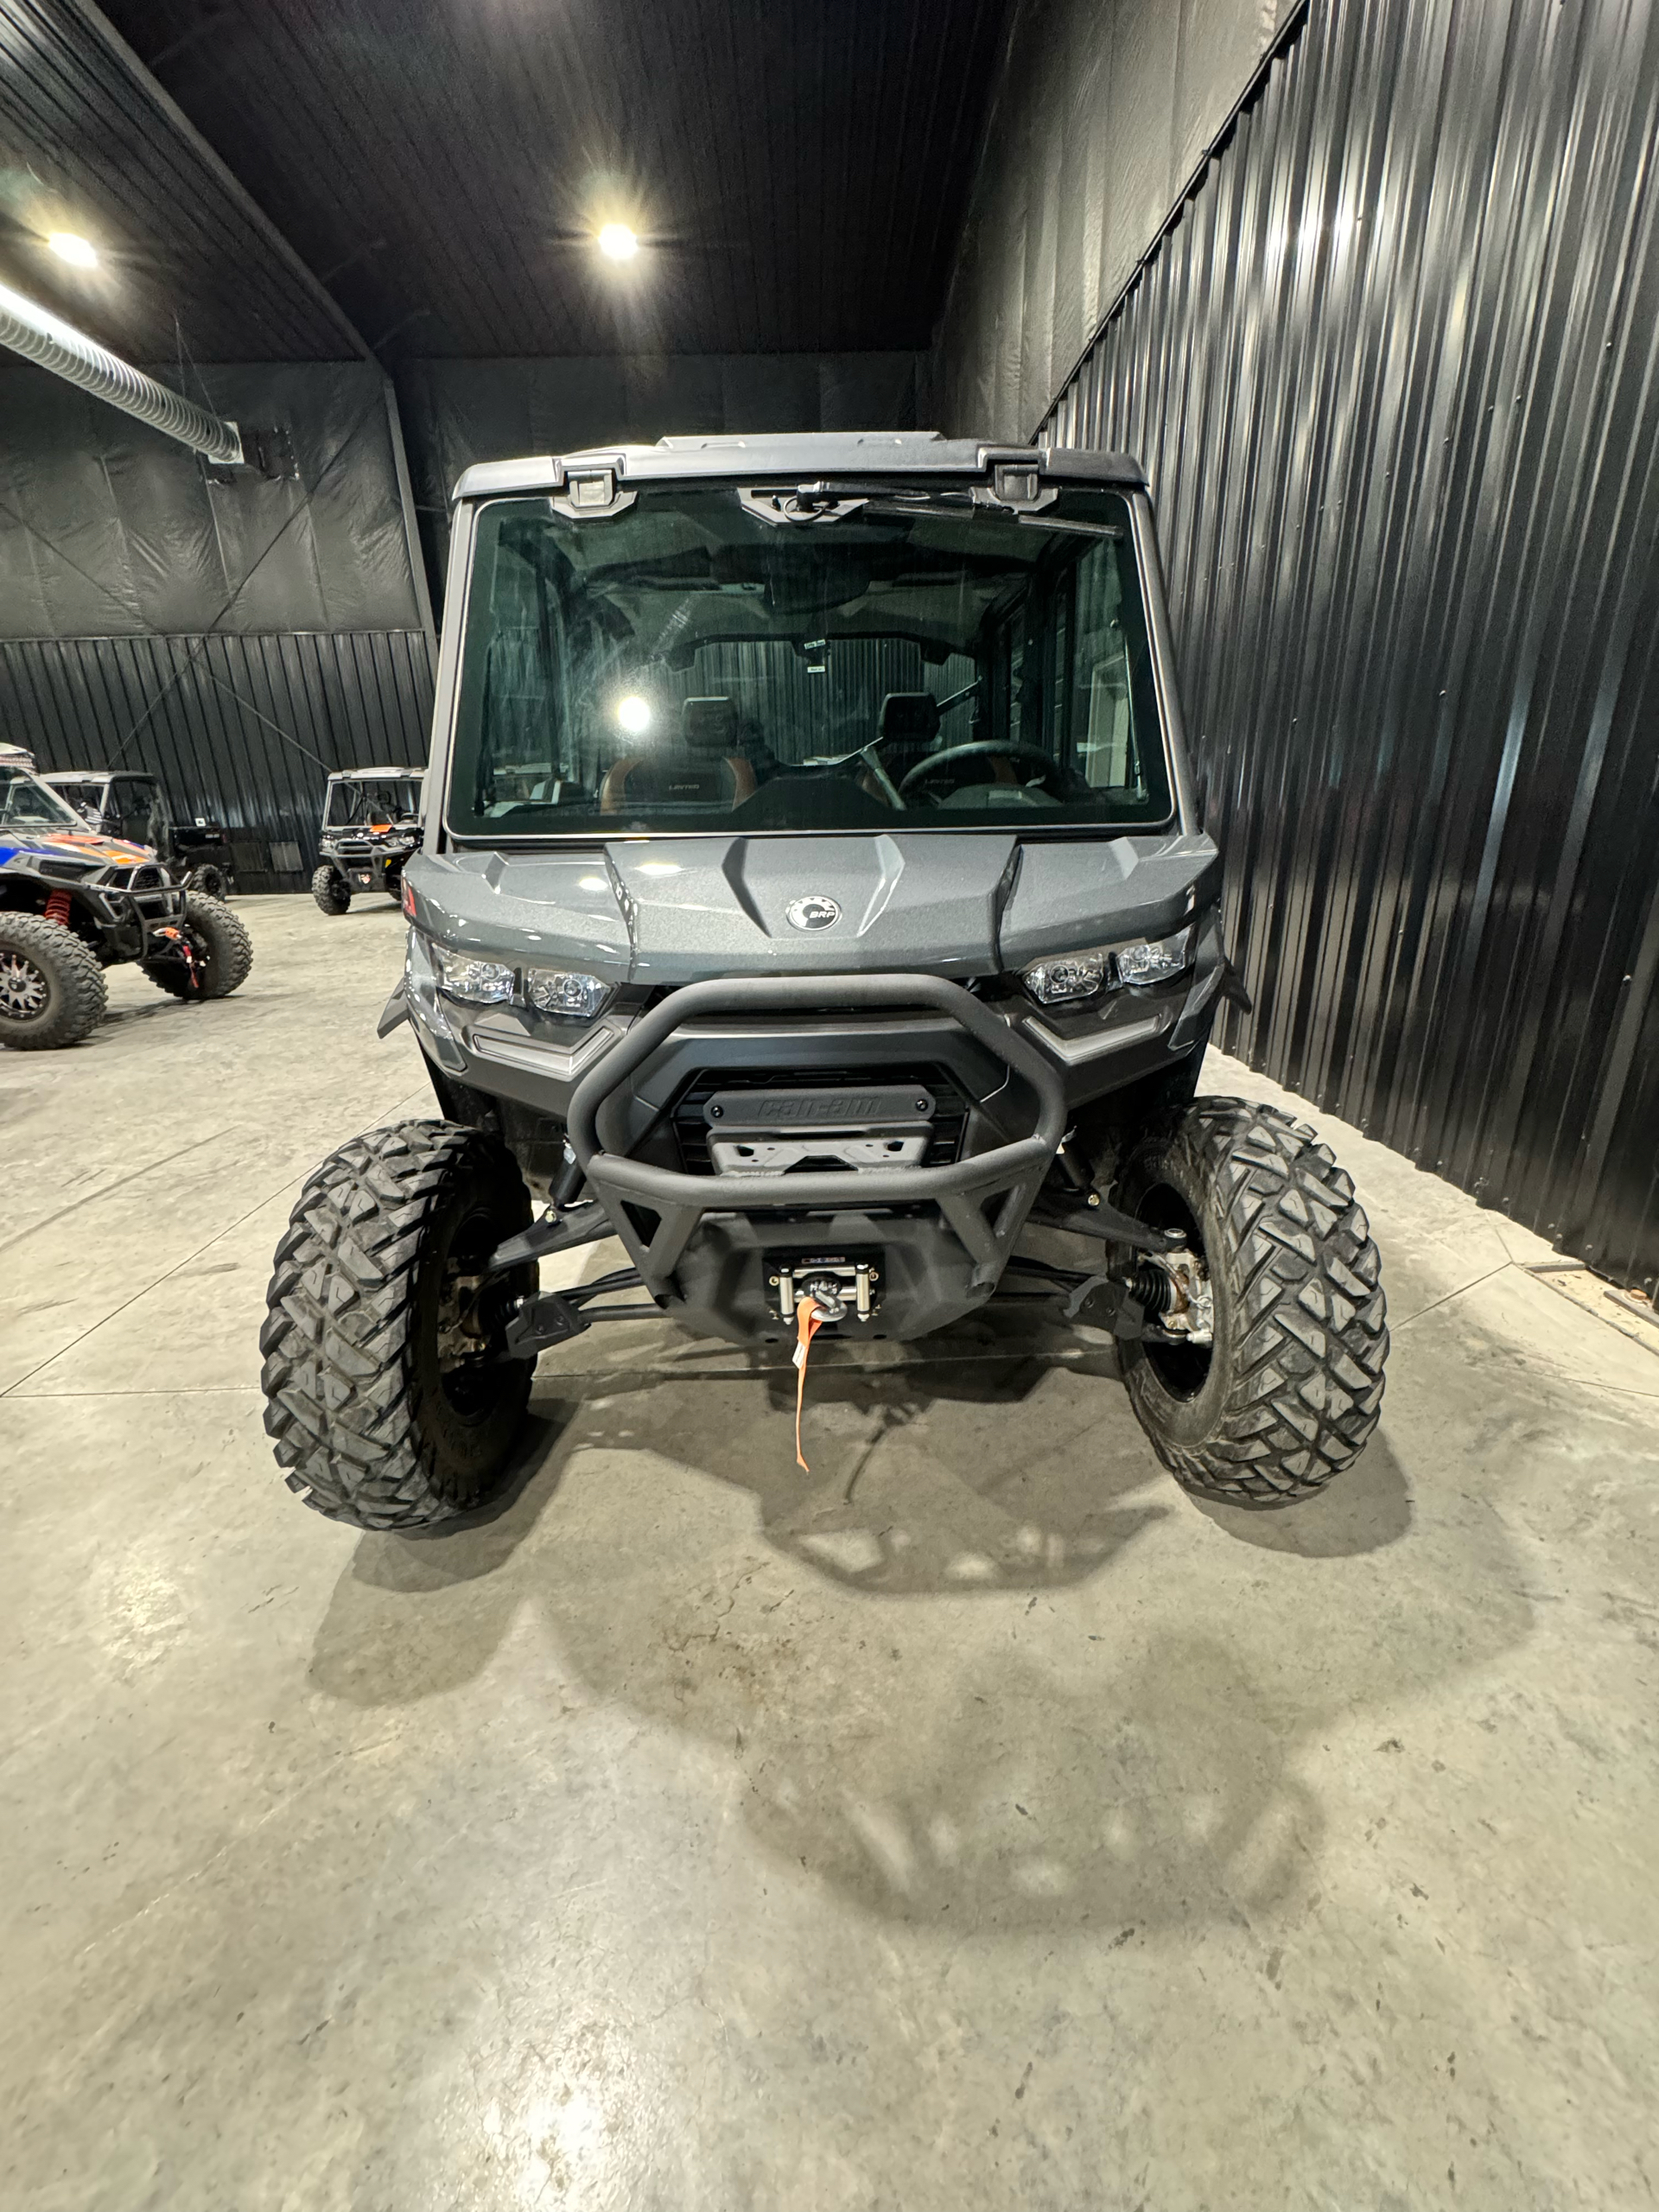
(925, 1772)
(1365, 1509)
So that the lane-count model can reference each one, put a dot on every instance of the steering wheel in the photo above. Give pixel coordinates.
(1063, 782)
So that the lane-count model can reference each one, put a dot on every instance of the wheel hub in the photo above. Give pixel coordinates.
(23, 989)
(462, 1335)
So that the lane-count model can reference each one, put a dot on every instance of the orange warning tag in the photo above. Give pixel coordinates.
(808, 1322)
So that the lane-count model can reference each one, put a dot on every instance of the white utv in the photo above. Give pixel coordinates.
(812, 896)
(371, 824)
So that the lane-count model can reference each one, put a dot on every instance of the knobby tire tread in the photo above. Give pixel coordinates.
(1304, 1390)
(340, 1373)
(83, 994)
(232, 953)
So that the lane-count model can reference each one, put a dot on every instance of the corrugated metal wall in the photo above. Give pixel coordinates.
(244, 729)
(1105, 111)
(1395, 376)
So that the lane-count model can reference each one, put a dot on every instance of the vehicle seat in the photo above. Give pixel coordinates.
(704, 768)
(909, 727)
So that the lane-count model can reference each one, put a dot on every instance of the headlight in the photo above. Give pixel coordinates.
(1071, 975)
(555, 990)
(1155, 962)
(478, 982)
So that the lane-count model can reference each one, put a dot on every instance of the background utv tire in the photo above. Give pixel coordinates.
(1289, 1393)
(209, 879)
(52, 988)
(224, 954)
(376, 1423)
(330, 891)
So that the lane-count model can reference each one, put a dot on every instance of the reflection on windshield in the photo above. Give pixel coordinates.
(918, 659)
(28, 804)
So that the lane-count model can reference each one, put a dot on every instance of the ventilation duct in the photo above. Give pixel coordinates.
(40, 337)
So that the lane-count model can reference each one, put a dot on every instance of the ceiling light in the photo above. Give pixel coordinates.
(618, 243)
(69, 246)
(634, 715)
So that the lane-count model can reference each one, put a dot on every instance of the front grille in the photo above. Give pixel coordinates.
(149, 875)
(950, 1117)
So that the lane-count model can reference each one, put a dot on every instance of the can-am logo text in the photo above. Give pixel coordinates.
(816, 912)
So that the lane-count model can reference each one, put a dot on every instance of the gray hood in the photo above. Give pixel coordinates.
(673, 910)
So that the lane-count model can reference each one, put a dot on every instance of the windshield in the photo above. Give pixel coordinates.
(382, 798)
(910, 657)
(28, 804)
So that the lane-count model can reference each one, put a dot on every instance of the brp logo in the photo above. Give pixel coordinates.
(816, 912)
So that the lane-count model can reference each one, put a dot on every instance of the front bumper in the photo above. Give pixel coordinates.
(709, 1246)
(702, 1243)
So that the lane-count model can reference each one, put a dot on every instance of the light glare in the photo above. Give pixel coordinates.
(618, 243)
(634, 715)
(69, 246)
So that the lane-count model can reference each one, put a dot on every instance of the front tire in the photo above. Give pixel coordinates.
(330, 890)
(1289, 1392)
(223, 954)
(52, 988)
(386, 1396)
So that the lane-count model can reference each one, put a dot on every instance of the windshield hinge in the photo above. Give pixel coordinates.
(589, 494)
(1017, 485)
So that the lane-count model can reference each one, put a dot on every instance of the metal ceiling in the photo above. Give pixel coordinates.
(798, 171)
(1394, 374)
(188, 266)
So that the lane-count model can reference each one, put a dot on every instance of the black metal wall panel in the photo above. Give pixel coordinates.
(107, 527)
(245, 728)
(1394, 374)
(1105, 110)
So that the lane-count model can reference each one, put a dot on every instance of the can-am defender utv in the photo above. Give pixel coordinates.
(812, 896)
(74, 903)
(371, 824)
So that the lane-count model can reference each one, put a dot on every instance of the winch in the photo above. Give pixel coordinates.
(841, 1283)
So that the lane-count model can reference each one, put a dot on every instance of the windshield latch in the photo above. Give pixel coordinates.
(1016, 484)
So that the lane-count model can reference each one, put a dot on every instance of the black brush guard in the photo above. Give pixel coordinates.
(962, 1190)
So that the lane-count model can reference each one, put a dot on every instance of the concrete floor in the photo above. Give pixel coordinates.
(975, 1823)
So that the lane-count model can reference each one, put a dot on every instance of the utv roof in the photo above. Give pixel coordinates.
(817, 453)
(371, 775)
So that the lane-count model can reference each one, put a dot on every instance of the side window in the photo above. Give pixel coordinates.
(132, 805)
(517, 758)
(1102, 695)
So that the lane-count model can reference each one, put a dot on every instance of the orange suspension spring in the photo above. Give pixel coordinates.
(59, 907)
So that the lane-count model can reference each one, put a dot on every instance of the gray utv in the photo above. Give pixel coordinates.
(812, 897)
(371, 824)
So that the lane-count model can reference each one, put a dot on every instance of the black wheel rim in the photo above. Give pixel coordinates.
(1182, 1369)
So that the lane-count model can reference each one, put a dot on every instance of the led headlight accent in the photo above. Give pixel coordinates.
(1155, 962)
(557, 990)
(1068, 975)
(477, 983)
